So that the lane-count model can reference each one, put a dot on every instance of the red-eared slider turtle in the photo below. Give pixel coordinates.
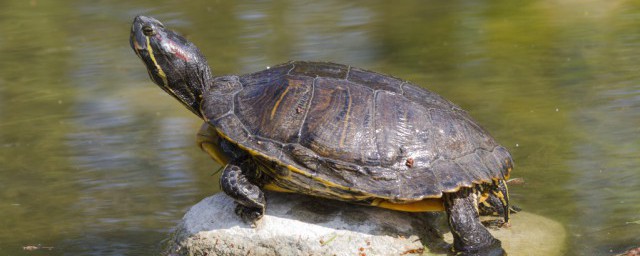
(336, 132)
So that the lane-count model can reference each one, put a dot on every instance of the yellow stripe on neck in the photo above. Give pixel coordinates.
(161, 73)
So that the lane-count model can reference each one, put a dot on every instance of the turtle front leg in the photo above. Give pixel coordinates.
(248, 196)
(470, 237)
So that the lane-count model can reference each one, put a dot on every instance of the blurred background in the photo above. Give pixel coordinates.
(95, 159)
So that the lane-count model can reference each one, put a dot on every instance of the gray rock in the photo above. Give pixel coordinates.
(302, 225)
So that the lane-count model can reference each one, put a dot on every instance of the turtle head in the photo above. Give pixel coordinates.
(173, 63)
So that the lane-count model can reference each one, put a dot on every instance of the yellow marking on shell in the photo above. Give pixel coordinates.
(275, 187)
(346, 120)
(298, 171)
(425, 205)
(214, 152)
(209, 143)
(275, 107)
(506, 162)
(161, 73)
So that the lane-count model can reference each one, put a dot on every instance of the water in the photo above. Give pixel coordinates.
(94, 159)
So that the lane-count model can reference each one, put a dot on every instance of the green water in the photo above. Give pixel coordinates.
(95, 159)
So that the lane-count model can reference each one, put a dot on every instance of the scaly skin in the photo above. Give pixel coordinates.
(248, 196)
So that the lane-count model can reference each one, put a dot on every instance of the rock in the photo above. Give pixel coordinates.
(631, 252)
(303, 225)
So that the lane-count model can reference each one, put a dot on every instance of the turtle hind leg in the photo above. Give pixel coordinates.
(497, 204)
(248, 196)
(470, 237)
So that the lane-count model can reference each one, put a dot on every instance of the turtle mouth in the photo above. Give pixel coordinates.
(137, 47)
(137, 40)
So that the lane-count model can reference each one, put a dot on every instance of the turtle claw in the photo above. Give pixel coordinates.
(249, 215)
(496, 224)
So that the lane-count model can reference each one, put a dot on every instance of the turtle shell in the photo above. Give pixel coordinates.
(346, 133)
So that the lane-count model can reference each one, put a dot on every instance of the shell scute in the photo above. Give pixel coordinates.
(348, 134)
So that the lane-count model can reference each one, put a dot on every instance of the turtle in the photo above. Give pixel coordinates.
(337, 132)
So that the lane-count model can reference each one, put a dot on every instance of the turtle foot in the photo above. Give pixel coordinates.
(496, 224)
(494, 248)
(249, 215)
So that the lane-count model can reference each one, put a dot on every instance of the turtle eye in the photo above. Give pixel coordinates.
(148, 31)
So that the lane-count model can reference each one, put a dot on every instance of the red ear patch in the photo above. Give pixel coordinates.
(179, 52)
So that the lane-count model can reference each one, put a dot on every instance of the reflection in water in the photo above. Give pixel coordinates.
(605, 186)
(607, 181)
(123, 186)
(318, 30)
(94, 159)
